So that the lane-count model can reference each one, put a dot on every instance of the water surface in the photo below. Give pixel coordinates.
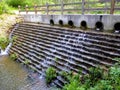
(12, 75)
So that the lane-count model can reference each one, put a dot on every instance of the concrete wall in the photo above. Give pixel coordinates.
(64, 49)
(107, 20)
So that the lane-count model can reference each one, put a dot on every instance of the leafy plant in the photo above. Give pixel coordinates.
(64, 74)
(95, 75)
(13, 56)
(26, 62)
(73, 85)
(74, 82)
(4, 8)
(96, 80)
(15, 3)
(117, 59)
(50, 74)
(4, 41)
(103, 85)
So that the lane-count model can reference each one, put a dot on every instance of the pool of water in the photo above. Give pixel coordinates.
(14, 76)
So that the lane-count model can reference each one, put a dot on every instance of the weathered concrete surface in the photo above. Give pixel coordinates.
(107, 20)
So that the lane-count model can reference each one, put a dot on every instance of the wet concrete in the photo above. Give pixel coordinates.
(14, 76)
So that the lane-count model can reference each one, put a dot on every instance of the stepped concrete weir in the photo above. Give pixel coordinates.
(74, 49)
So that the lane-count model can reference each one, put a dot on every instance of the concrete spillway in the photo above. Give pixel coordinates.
(64, 48)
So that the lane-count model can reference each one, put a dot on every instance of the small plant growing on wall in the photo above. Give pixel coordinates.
(50, 74)
(65, 75)
(56, 59)
(13, 56)
(27, 61)
(13, 39)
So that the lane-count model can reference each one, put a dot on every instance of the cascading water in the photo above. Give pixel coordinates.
(73, 49)
(14, 76)
(6, 51)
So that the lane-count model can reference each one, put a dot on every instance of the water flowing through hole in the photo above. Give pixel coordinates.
(99, 26)
(117, 27)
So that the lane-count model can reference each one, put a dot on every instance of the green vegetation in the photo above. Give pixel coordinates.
(13, 39)
(96, 80)
(63, 74)
(56, 59)
(13, 56)
(117, 59)
(27, 61)
(15, 3)
(4, 8)
(50, 74)
(4, 41)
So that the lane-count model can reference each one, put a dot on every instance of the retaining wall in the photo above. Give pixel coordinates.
(64, 48)
(108, 21)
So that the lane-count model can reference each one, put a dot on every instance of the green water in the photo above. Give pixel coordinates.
(12, 75)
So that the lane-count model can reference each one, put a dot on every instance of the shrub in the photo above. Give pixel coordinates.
(50, 74)
(16, 3)
(114, 75)
(4, 8)
(4, 41)
(13, 56)
(96, 80)
(95, 75)
(103, 85)
(73, 85)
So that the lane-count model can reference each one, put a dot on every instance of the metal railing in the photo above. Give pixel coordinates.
(81, 7)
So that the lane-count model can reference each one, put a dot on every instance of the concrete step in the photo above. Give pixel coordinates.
(73, 49)
(116, 46)
(77, 47)
(86, 33)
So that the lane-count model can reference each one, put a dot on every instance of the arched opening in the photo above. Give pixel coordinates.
(83, 25)
(117, 27)
(51, 22)
(70, 23)
(99, 26)
(60, 22)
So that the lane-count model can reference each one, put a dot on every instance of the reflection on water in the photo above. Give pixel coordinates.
(12, 75)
